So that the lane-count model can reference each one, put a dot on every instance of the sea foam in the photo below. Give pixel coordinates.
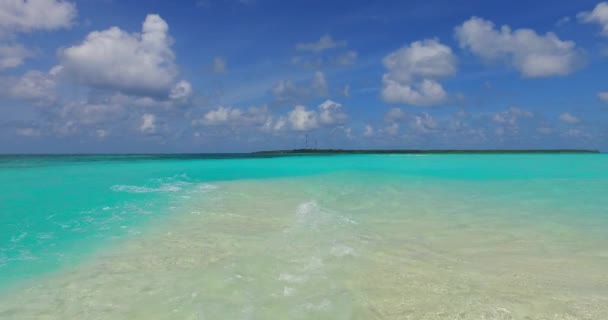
(165, 187)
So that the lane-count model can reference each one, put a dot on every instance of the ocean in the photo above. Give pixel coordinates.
(463, 236)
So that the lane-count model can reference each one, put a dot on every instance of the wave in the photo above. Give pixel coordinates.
(165, 187)
(162, 187)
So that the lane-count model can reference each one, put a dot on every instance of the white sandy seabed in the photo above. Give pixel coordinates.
(335, 247)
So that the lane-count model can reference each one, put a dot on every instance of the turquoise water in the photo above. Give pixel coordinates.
(348, 236)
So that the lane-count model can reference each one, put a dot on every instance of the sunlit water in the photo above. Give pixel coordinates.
(324, 237)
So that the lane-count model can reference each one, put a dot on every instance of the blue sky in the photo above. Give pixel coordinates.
(244, 75)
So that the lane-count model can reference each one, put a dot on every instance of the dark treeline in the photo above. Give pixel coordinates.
(412, 151)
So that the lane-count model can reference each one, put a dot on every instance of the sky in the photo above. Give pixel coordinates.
(109, 76)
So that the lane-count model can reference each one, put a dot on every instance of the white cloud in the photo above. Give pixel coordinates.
(331, 112)
(603, 96)
(181, 91)
(412, 72)
(35, 85)
(533, 55)
(148, 123)
(302, 119)
(328, 113)
(219, 65)
(395, 115)
(514, 122)
(427, 59)
(139, 63)
(274, 125)
(221, 115)
(512, 116)
(424, 123)
(12, 56)
(427, 93)
(26, 16)
(324, 43)
(235, 116)
(280, 124)
(598, 15)
(285, 89)
(567, 117)
(91, 113)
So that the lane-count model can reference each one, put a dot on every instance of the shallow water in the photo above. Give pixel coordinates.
(349, 237)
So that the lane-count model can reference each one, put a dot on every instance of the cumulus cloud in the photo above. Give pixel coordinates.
(26, 16)
(599, 15)
(12, 56)
(133, 63)
(85, 113)
(302, 119)
(512, 122)
(324, 43)
(568, 118)
(512, 115)
(235, 116)
(328, 113)
(603, 96)
(148, 123)
(34, 85)
(424, 122)
(331, 112)
(426, 93)
(413, 70)
(416, 123)
(533, 55)
(181, 91)
(285, 90)
(395, 115)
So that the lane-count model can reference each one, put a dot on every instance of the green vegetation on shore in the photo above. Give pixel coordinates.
(414, 151)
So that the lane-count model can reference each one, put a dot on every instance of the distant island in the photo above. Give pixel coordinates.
(414, 151)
